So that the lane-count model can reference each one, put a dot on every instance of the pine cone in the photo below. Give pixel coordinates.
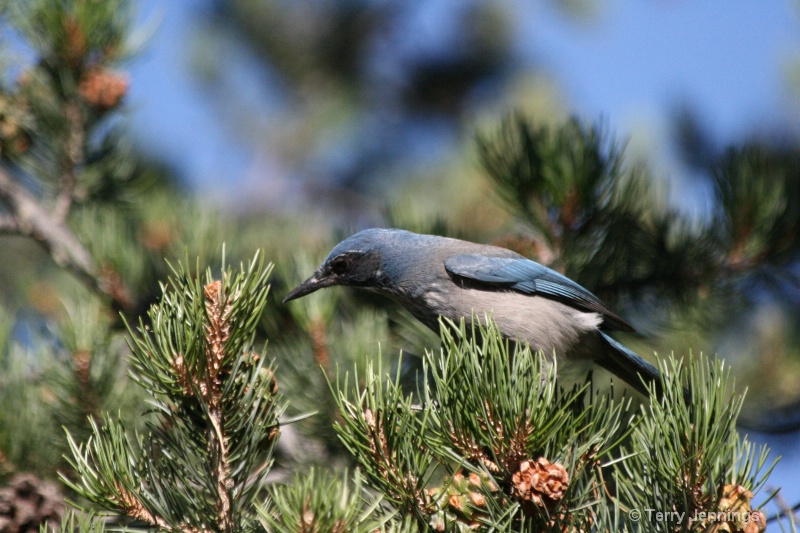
(540, 481)
(734, 514)
(735, 504)
(102, 88)
(28, 501)
(461, 502)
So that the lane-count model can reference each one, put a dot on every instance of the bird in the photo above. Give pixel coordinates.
(437, 277)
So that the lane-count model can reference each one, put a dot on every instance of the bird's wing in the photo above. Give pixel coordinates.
(528, 277)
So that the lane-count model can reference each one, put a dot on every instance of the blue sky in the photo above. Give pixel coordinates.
(727, 60)
(632, 65)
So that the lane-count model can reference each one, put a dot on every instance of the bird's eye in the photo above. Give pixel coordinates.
(339, 266)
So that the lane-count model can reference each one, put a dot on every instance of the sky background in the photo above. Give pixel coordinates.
(633, 63)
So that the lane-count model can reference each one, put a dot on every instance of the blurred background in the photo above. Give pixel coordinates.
(288, 101)
(353, 112)
(289, 125)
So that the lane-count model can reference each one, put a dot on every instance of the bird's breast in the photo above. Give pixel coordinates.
(545, 324)
(427, 304)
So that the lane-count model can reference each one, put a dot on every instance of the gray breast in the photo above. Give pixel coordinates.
(545, 324)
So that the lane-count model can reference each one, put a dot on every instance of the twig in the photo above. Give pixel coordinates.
(784, 509)
(30, 218)
(73, 158)
(217, 332)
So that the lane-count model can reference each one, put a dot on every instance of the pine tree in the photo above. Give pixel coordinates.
(216, 409)
(496, 444)
(209, 434)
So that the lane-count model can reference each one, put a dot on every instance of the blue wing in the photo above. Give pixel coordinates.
(528, 277)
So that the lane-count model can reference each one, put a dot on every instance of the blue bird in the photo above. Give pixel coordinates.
(436, 277)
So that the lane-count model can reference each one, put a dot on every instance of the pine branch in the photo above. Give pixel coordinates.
(382, 431)
(516, 451)
(75, 522)
(49, 113)
(323, 502)
(689, 459)
(601, 221)
(72, 160)
(217, 331)
(519, 453)
(30, 218)
(217, 411)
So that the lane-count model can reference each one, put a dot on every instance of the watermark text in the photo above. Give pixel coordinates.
(680, 517)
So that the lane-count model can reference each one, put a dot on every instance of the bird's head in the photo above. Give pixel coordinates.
(355, 262)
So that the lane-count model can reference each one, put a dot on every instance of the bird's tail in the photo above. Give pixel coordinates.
(629, 366)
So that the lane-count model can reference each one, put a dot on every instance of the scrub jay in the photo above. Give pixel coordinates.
(436, 277)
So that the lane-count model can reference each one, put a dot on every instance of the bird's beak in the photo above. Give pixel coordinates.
(312, 284)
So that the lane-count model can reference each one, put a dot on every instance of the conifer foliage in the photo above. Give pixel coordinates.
(215, 411)
(489, 442)
(498, 446)
(486, 439)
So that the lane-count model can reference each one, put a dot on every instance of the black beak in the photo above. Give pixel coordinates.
(312, 284)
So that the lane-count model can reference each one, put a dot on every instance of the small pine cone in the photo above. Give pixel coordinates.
(735, 498)
(102, 88)
(540, 481)
(477, 481)
(307, 520)
(211, 291)
(15, 124)
(477, 499)
(82, 360)
(28, 502)
(756, 524)
(73, 50)
(735, 504)
(457, 502)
